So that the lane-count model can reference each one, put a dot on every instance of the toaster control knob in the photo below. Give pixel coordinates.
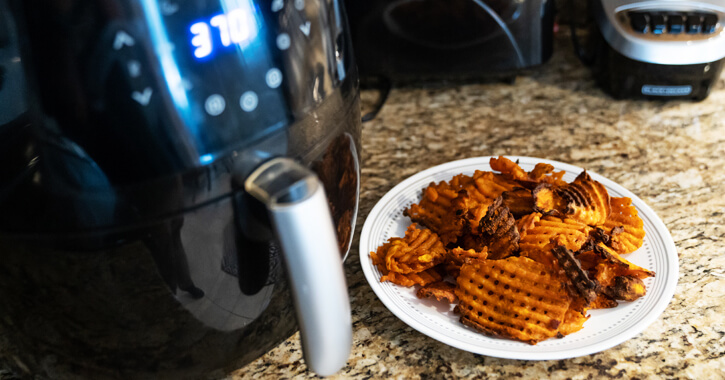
(639, 21)
(658, 23)
(709, 24)
(694, 23)
(676, 24)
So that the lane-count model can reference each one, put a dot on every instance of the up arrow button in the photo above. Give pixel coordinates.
(143, 98)
(122, 39)
(305, 28)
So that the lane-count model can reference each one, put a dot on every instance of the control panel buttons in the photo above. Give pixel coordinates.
(122, 39)
(694, 23)
(671, 22)
(709, 24)
(134, 68)
(215, 105)
(658, 23)
(143, 97)
(277, 5)
(249, 101)
(676, 24)
(305, 28)
(283, 41)
(273, 78)
(168, 8)
(639, 21)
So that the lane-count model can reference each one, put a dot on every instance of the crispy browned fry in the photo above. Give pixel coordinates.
(425, 277)
(487, 186)
(542, 173)
(603, 302)
(515, 298)
(573, 322)
(535, 241)
(620, 265)
(435, 211)
(422, 278)
(498, 231)
(584, 200)
(626, 288)
(457, 256)
(508, 168)
(471, 211)
(527, 222)
(419, 250)
(441, 290)
(547, 201)
(578, 278)
(625, 226)
(519, 201)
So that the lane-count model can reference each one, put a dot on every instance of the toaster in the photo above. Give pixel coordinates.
(657, 49)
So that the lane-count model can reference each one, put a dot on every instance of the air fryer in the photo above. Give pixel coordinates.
(179, 183)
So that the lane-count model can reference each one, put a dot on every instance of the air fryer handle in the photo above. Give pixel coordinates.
(297, 205)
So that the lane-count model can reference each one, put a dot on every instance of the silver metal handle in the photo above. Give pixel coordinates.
(297, 205)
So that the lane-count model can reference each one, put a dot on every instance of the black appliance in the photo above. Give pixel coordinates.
(414, 41)
(657, 49)
(179, 183)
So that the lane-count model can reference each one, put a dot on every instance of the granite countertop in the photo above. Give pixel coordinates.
(671, 155)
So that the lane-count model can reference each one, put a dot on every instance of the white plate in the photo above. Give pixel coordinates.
(605, 329)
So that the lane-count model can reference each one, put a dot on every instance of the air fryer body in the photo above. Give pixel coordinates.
(129, 247)
(413, 41)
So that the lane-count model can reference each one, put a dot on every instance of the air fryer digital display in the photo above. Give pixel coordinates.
(236, 27)
(222, 70)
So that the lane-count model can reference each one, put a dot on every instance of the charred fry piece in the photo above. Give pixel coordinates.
(498, 231)
(519, 201)
(548, 201)
(603, 302)
(625, 226)
(584, 200)
(470, 210)
(441, 290)
(514, 298)
(419, 250)
(583, 286)
(626, 288)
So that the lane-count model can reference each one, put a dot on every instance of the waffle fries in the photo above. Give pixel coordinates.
(522, 255)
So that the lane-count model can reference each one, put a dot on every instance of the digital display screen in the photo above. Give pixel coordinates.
(236, 27)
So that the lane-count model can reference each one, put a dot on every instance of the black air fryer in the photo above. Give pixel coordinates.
(179, 183)
(657, 49)
(414, 41)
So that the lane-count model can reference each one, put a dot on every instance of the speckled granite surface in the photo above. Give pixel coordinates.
(672, 155)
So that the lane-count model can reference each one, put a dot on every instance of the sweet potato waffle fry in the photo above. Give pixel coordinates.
(522, 255)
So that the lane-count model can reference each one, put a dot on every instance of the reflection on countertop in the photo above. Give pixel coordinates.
(671, 155)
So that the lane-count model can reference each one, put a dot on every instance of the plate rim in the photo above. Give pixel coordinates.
(671, 262)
